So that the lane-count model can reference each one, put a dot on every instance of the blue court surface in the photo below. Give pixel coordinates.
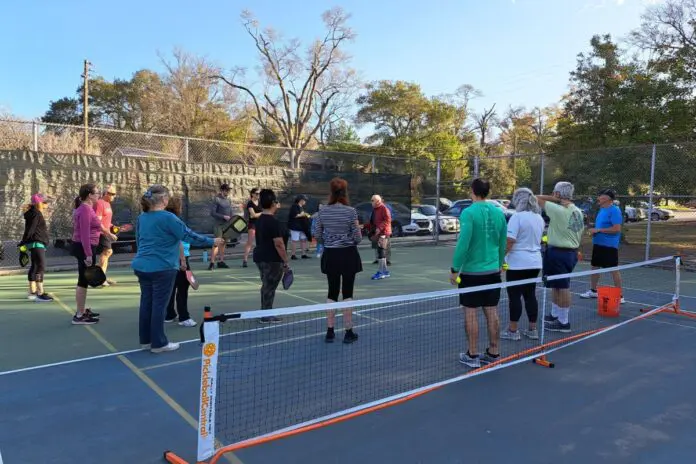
(623, 396)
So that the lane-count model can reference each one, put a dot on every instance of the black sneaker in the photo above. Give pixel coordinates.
(223, 265)
(211, 266)
(350, 336)
(558, 326)
(305, 257)
(244, 264)
(330, 335)
(375, 261)
(85, 319)
(488, 358)
(293, 257)
(275, 320)
(266, 320)
(92, 314)
(45, 298)
(549, 319)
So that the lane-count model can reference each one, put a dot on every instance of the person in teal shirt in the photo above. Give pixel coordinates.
(478, 260)
(159, 234)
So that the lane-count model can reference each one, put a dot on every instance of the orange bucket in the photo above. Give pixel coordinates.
(608, 301)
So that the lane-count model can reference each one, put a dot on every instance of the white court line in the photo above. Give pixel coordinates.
(197, 340)
(357, 313)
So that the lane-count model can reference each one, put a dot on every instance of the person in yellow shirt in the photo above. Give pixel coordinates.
(565, 231)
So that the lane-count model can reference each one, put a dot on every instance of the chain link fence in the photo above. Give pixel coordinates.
(654, 184)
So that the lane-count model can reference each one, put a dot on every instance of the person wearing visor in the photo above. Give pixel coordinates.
(606, 237)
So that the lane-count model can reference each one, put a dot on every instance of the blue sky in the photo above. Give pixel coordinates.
(515, 51)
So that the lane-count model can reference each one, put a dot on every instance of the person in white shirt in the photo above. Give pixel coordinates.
(524, 261)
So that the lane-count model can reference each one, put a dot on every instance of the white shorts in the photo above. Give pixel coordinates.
(296, 235)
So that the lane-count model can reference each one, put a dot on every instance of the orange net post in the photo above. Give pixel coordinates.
(544, 362)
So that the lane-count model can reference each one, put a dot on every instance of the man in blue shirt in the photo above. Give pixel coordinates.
(606, 237)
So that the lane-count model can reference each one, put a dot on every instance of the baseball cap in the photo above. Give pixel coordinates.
(38, 198)
(110, 189)
(608, 192)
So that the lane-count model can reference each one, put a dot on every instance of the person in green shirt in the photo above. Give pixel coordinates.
(478, 260)
(566, 227)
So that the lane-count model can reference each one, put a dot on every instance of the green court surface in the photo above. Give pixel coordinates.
(44, 332)
(128, 387)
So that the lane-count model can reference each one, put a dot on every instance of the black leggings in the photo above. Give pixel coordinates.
(38, 264)
(336, 286)
(526, 292)
(180, 296)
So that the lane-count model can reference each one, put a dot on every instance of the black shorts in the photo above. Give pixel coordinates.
(79, 253)
(604, 256)
(105, 243)
(559, 261)
(481, 298)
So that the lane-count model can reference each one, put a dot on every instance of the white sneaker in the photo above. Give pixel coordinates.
(623, 300)
(31, 296)
(168, 347)
(145, 347)
(588, 294)
(188, 323)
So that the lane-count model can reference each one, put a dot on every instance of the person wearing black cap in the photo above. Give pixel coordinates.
(606, 236)
(299, 225)
(221, 211)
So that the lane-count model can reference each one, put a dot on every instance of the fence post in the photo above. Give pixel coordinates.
(476, 165)
(35, 136)
(651, 206)
(186, 150)
(541, 181)
(437, 202)
(374, 164)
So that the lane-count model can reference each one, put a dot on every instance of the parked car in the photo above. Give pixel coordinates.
(445, 203)
(419, 225)
(401, 215)
(461, 205)
(656, 213)
(633, 214)
(447, 224)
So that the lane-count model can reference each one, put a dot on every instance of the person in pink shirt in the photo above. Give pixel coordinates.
(105, 214)
(86, 231)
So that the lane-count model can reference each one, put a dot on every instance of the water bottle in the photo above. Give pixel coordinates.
(205, 256)
(320, 250)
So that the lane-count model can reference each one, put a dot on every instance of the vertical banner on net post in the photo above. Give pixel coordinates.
(206, 409)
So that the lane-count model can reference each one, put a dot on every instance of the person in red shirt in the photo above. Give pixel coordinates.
(381, 217)
(102, 208)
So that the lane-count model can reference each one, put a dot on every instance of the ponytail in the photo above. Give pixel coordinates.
(85, 191)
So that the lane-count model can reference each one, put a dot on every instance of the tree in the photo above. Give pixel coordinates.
(296, 92)
(668, 33)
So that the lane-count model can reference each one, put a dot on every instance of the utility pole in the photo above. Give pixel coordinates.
(85, 105)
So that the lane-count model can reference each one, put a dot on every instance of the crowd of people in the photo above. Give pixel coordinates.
(488, 249)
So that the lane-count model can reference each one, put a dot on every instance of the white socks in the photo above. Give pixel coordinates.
(561, 313)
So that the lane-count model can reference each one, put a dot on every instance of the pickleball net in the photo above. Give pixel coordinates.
(263, 380)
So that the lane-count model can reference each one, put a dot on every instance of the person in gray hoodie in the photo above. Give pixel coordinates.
(221, 211)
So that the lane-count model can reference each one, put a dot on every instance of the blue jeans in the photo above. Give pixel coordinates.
(155, 290)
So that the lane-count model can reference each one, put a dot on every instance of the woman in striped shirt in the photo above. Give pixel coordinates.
(337, 226)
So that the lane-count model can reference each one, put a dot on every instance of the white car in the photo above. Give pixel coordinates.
(448, 224)
(419, 225)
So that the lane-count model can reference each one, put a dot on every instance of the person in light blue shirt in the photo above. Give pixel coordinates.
(159, 234)
(606, 237)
